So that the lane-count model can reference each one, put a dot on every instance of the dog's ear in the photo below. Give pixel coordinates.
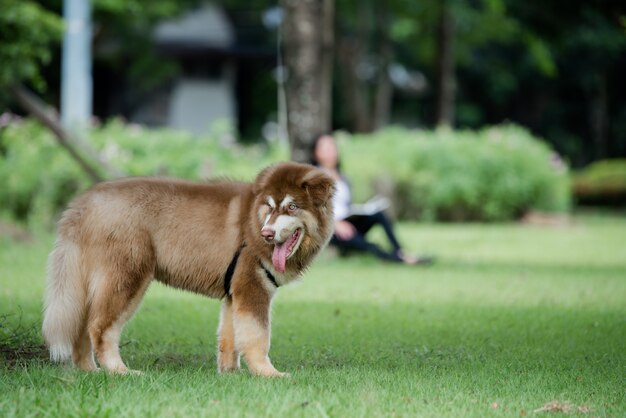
(319, 185)
(261, 180)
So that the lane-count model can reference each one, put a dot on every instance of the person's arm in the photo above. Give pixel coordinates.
(344, 229)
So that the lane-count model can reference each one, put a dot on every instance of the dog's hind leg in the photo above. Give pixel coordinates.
(227, 355)
(82, 353)
(112, 307)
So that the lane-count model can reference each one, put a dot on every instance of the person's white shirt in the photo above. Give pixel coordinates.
(342, 200)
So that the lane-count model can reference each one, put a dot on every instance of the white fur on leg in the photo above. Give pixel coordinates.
(110, 357)
(252, 339)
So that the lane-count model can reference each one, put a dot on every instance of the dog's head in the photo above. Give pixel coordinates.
(293, 207)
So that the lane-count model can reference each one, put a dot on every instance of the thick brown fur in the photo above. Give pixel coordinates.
(118, 236)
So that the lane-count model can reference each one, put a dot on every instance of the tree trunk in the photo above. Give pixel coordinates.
(446, 83)
(367, 102)
(354, 90)
(598, 118)
(351, 53)
(384, 88)
(308, 43)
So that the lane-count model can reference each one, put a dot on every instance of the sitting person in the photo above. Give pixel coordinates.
(351, 229)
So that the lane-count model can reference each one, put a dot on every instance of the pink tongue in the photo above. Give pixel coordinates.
(281, 251)
(279, 258)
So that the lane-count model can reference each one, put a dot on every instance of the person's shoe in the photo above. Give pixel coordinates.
(424, 260)
(412, 260)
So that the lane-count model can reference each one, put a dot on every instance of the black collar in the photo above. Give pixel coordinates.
(230, 270)
(228, 277)
(270, 275)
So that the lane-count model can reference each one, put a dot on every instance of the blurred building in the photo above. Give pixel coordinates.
(218, 62)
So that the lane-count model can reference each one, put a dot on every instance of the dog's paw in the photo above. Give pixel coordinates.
(125, 372)
(272, 373)
(228, 370)
(279, 375)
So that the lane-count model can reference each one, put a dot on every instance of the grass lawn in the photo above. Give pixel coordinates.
(509, 319)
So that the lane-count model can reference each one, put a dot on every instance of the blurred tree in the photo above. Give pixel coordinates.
(364, 53)
(443, 37)
(27, 32)
(122, 42)
(556, 67)
(307, 45)
(435, 36)
(561, 74)
(445, 62)
(588, 44)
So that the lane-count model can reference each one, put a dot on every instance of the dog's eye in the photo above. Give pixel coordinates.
(292, 207)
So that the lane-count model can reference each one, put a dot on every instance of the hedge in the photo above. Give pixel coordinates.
(601, 183)
(39, 178)
(495, 174)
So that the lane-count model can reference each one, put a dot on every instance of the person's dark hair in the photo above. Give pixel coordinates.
(313, 160)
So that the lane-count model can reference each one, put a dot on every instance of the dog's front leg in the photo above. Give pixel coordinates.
(227, 355)
(251, 319)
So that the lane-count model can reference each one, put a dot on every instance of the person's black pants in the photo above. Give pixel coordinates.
(362, 224)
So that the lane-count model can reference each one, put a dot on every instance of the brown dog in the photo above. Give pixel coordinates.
(222, 239)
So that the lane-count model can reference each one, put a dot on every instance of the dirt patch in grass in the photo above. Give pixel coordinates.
(18, 343)
(563, 407)
(12, 356)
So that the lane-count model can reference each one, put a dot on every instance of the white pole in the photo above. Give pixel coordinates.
(76, 82)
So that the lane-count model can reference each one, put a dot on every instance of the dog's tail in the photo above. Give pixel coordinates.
(65, 300)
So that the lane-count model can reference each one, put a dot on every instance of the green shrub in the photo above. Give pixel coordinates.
(495, 174)
(36, 176)
(142, 151)
(603, 182)
(498, 173)
(39, 178)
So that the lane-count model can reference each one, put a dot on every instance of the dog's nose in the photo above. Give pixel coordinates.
(267, 234)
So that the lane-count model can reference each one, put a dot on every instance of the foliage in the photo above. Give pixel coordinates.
(511, 317)
(26, 32)
(35, 173)
(141, 151)
(495, 174)
(39, 178)
(603, 182)
(514, 59)
(478, 23)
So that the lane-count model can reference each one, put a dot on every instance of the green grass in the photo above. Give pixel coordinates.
(510, 318)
